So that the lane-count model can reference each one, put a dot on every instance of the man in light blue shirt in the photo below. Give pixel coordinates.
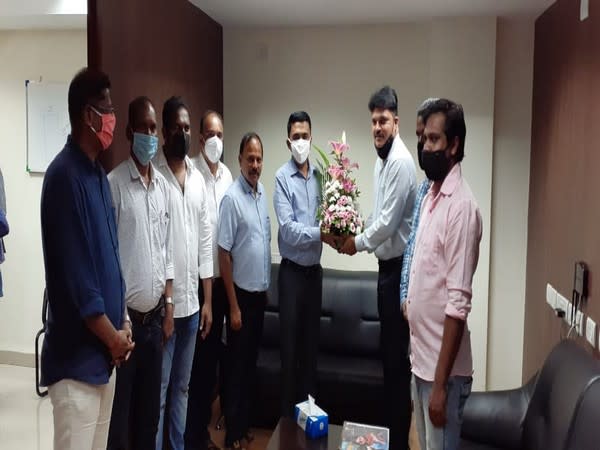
(245, 261)
(296, 201)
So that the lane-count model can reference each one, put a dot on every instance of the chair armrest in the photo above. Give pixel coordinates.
(496, 417)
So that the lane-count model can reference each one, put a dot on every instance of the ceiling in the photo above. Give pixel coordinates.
(339, 12)
(20, 14)
(42, 14)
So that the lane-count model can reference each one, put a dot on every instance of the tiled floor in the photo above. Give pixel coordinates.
(26, 420)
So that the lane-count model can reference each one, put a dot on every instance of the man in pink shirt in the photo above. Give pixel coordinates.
(439, 295)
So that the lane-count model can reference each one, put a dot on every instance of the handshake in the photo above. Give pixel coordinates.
(342, 244)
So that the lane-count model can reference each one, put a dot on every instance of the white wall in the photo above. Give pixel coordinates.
(331, 72)
(54, 56)
(510, 201)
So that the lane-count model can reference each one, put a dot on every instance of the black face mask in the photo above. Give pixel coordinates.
(180, 145)
(420, 146)
(384, 151)
(435, 165)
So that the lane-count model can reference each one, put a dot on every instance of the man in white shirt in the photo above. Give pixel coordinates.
(217, 179)
(192, 256)
(386, 234)
(141, 199)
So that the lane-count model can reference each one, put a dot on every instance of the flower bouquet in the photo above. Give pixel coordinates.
(338, 213)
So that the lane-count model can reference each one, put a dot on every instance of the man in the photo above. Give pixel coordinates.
(192, 257)
(296, 201)
(386, 234)
(439, 295)
(141, 199)
(85, 332)
(217, 179)
(422, 190)
(245, 263)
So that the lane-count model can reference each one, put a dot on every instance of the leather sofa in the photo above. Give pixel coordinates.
(558, 409)
(349, 372)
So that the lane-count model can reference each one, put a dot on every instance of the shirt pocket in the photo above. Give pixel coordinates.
(433, 256)
(159, 219)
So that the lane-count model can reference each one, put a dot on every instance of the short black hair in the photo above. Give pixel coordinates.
(85, 88)
(423, 111)
(247, 138)
(136, 105)
(384, 98)
(206, 115)
(298, 116)
(454, 125)
(170, 109)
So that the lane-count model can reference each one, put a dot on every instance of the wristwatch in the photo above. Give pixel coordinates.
(168, 300)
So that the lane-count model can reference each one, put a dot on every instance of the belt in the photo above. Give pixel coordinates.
(144, 318)
(306, 269)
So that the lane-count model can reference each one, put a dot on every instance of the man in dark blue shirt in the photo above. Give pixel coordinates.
(86, 333)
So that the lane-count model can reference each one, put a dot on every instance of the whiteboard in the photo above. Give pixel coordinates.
(47, 123)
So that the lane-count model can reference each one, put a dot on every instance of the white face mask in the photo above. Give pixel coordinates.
(213, 147)
(300, 150)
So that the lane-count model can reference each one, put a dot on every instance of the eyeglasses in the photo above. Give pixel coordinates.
(101, 110)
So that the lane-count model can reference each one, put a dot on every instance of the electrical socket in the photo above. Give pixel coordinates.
(565, 305)
(550, 296)
(579, 323)
(590, 331)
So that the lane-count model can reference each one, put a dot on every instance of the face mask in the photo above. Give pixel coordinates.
(180, 145)
(420, 146)
(384, 151)
(105, 135)
(435, 165)
(213, 148)
(144, 147)
(300, 150)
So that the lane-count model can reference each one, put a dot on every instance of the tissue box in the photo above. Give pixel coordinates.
(315, 425)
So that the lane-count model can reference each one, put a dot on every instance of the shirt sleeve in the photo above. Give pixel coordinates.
(67, 244)
(399, 184)
(461, 250)
(227, 224)
(205, 251)
(292, 232)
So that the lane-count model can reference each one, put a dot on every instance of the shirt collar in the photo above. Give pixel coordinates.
(83, 158)
(135, 173)
(203, 167)
(452, 180)
(294, 170)
(247, 188)
(161, 161)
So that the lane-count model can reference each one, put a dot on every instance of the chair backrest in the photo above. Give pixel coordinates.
(349, 318)
(558, 393)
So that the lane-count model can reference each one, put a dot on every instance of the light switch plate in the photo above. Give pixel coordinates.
(550, 296)
(590, 331)
(565, 305)
(579, 325)
(584, 9)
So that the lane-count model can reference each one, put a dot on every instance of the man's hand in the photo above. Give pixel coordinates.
(330, 240)
(168, 325)
(349, 246)
(235, 318)
(127, 329)
(205, 320)
(437, 405)
(120, 346)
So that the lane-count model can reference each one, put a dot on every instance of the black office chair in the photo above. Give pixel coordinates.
(37, 346)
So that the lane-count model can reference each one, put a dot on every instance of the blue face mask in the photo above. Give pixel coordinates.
(144, 147)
